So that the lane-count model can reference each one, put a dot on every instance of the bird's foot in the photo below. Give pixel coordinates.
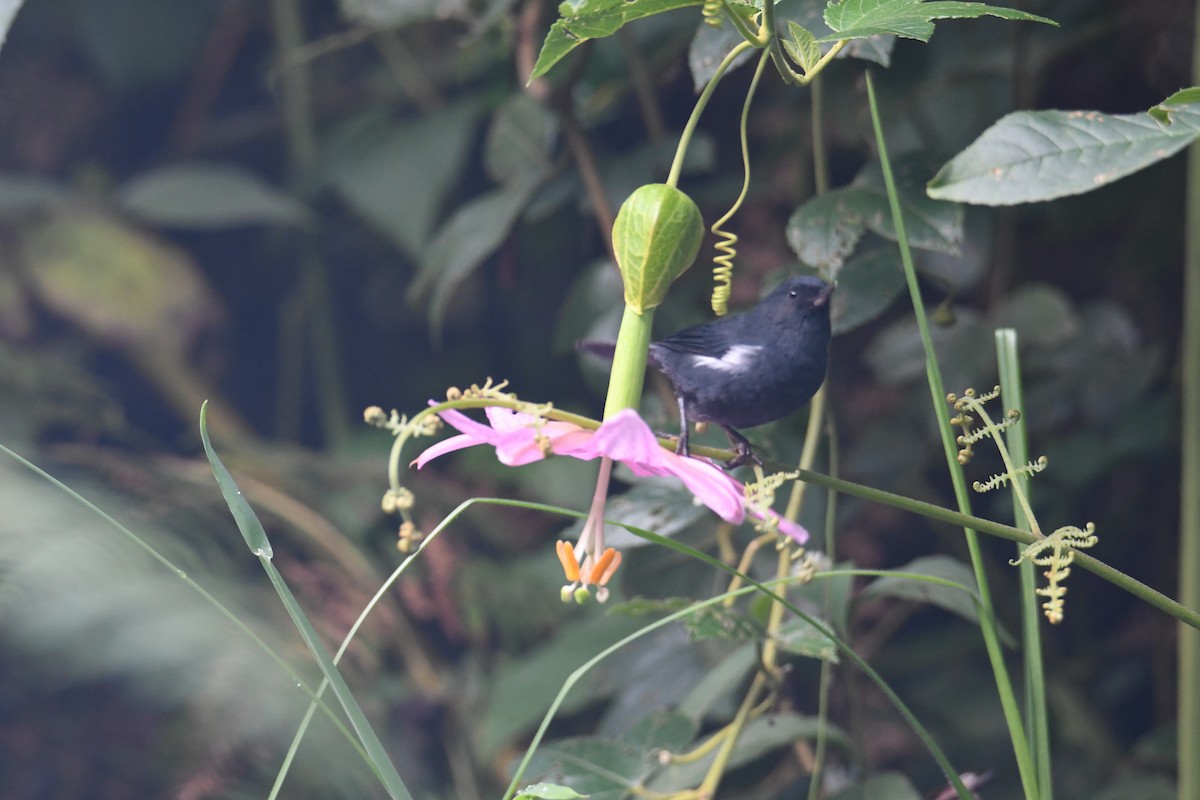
(741, 445)
(682, 448)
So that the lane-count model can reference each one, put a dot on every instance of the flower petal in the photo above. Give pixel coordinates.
(625, 437)
(445, 446)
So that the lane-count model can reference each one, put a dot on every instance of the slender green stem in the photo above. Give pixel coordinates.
(1036, 710)
(1186, 615)
(987, 624)
(1189, 492)
(745, 145)
(689, 129)
(820, 156)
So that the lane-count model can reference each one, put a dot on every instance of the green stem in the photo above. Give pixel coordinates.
(935, 512)
(1189, 494)
(689, 129)
(1036, 711)
(987, 625)
(629, 362)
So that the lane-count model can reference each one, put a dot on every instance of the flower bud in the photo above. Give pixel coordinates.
(656, 236)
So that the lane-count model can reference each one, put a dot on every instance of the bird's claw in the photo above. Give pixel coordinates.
(744, 456)
(741, 445)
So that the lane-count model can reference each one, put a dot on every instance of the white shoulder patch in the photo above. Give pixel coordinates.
(738, 358)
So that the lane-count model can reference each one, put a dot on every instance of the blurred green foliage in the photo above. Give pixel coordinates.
(159, 245)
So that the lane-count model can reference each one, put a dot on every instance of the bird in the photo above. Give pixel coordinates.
(746, 369)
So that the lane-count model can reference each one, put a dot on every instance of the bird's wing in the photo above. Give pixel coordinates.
(701, 340)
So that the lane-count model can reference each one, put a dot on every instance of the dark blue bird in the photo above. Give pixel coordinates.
(748, 369)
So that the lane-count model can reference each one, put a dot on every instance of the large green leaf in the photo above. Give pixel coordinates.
(594, 19)
(866, 285)
(473, 233)
(1029, 156)
(523, 688)
(930, 224)
(912, 19)
(822, 233)
(396, 175)
(519, 139)
(656, 505)
(929, 580)
(826, 229)
(208, 196)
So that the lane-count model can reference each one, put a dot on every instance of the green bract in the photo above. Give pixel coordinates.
(656, 237)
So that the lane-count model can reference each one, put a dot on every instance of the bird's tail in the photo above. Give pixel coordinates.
(597, 347)
(605, 350)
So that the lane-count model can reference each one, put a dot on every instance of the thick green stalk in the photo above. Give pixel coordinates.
(629, 362)
(987, 624)
(1036, 712)
(1189, 491)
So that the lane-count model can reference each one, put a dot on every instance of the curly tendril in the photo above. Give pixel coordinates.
(1055, 551)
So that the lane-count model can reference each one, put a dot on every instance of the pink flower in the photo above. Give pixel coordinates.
(522, 438)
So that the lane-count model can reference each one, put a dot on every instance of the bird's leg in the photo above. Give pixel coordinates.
(682, 447)
(745, 454)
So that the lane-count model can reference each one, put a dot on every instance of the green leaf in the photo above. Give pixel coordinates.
(866, 285)
(822, 233)
(473, 233)
(802, 47)
(20, 195)
(594, 19)
(396, 175)
(718, 622)
(209, 196)
(548, 791)
(602, 769)
(247, 521)
(646, 606)
(960, 598)
(800, 637)
(519, 139)
(396, 13)
(912, 19)
(1164, 112)
(826, 229)
(929, 223)
(656, 505)
(884, 786)
(810, 14)
(719, 681)
(522, 689)
(708, 49)
(256, 538)
(760, 736)
(662, 730)
(1028, 156)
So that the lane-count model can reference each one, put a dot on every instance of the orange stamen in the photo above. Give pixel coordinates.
(566, 557)
(605, 566)
(612, 568)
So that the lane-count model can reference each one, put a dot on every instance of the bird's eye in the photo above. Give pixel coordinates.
(793, 294)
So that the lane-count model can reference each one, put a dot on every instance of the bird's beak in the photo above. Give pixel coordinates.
(823, 297)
